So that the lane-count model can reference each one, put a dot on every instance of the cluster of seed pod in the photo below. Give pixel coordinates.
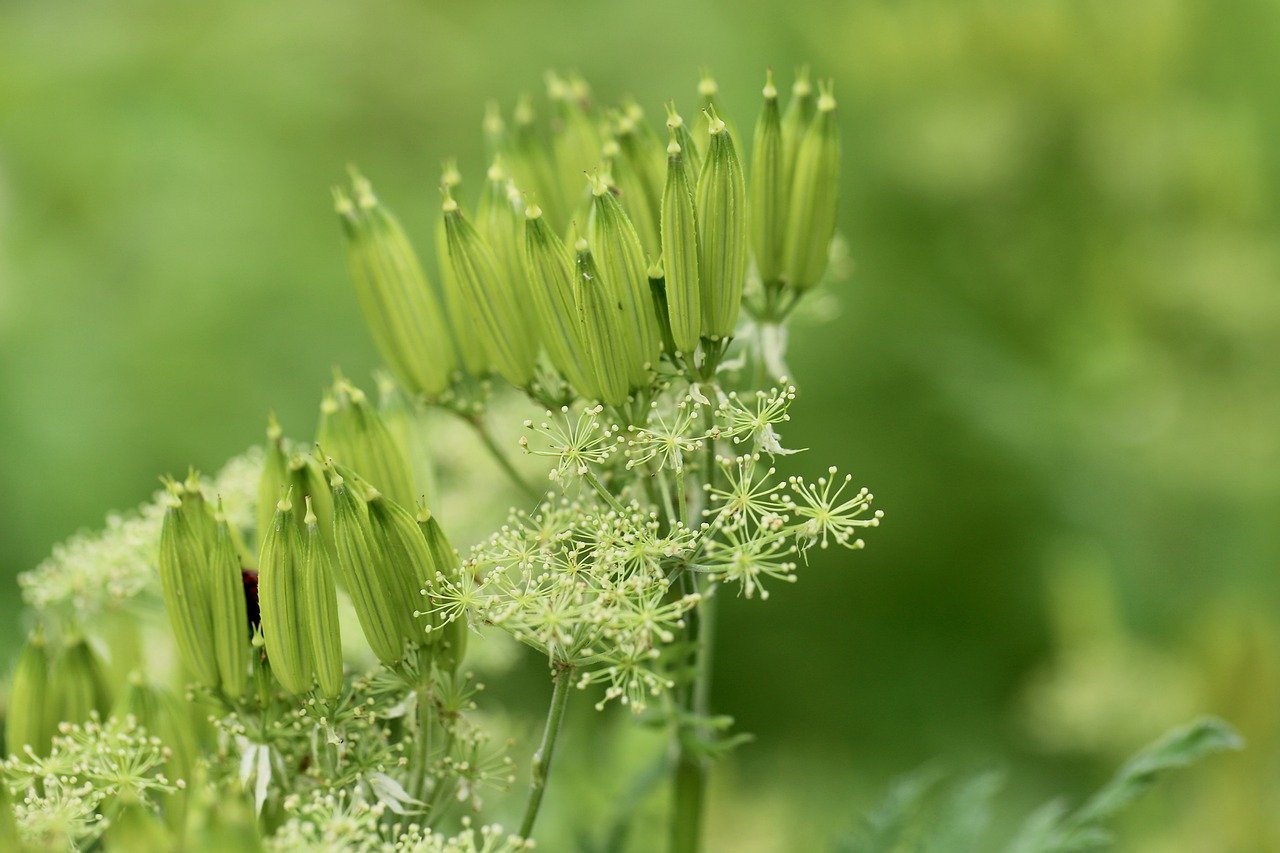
(646, 259)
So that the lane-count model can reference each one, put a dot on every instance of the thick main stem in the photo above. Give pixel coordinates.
(561, 682)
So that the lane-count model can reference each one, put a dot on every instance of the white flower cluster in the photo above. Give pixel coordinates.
(93, 571)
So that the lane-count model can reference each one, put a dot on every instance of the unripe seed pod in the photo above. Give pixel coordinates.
(814, 190)
(549, 269)
(78, 686)
(575, 138)
(494, 129)
(408, 562)
(641, 176)
(499, 220)
(320, 608)
(722, 237)
(352, 432)
(28, 722)
(769, 185)
(532, 164)
(275, 476)
(658, 290)
(469, 342)
(229, 618)
(604, 328)
(306, 480)
(709, 110)
(399, 306)
(501, 318)
(680, 252)
(365, 576)
(406, 420)
(619, 258)
(451, 639)
(280, 602)
(185, 588)
(795, 121)
(689, 151)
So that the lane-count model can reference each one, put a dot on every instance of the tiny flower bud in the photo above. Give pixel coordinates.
(549, 269)
(469, 341)
(374, 593)
(399, 306)
(812, 216)
(229, 619)
(722, 225)
(604, 325)
(353, 433)
(78, 685)
(28, 721)
(280, 602)
(680, 252)
(620, 261)
(184, 584)
(320, 608)
(768, 197)
(501, 319)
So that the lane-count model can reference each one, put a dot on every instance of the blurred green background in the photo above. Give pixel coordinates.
(1057, 361)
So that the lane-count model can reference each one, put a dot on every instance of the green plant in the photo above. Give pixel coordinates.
(309, 603)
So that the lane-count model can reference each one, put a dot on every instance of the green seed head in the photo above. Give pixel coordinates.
(680, 251)
(604, 323)
(811, 219)
(639, 174)
(469, 342)
(399, 306)
(800, 109)
(722, 227)
(497, 307)
(319, 609)
(229, 619)
(184, 583)
(408, 561)
(280, 569)
(275, 474)
(29, 722)
(549, 270)
(576, 139)
(352, 432)
(768, 189)
(532, 163)
(375, 590)
(619, 257)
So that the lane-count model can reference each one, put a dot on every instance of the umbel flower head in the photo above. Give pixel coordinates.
(653, 257)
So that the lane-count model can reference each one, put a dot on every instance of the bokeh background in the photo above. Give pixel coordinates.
(1056, 362)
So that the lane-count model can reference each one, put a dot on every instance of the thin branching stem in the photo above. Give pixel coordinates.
(561, 682)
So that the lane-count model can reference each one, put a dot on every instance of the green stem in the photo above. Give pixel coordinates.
(594, 481)
(422, 747)
(504, 462)
(561, 682)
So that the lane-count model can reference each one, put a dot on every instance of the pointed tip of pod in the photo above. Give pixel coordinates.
(770, 90)
(274, 431)
(497, 172)
(674, 119)
(533, 211)
(557, 87)
(655, 270)
(599, 183)
(492, 122)
(673, 147)
(524, 114)
(422, 513)
(715, 124)
(285, 504)
(803, 86)
(581, 246)
(342, 203)
(362, 188)
(450, 177)
(310, 519)
(827, 96)
(707, 85)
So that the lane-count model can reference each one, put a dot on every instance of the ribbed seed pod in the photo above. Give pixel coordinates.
(320, 608)
(722, 234)
(531, 162)
(408, 560)
(306, 480)
(159, 713)
(689, 150)
(549, 270)
(709, 110)
(399, 306)
(385, 619)
(29, 722)
(620, 260)
(352, 432)
(575, 138)
(767, 202)
(500, 316)
(185, 588)
(229, 618)
(641, 176)
(499, 220)
(796, 119)
(814, 192)
(680, 252)
(275, 475)
(604, 329)
(280, 602)
(78, 685)
(658, 290)
(466, 337)
(406, 419)
(450, 640)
